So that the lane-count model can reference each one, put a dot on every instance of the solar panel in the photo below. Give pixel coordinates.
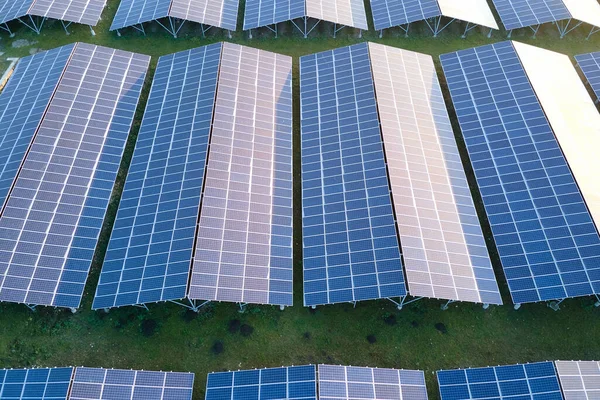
(38, 384)
(244, 243)
(590, 66)
(337, 382)
(99, 383)
(86, 12)
(150, 249)
(547, 242)
(389, 13)
(580, 380)
(445, 255)
(10, 10)
(55, 210)
(297, 383)
(522, 381)
(523, 13)
(22, 105)
(268, 12)
(351, 249)
(133, 12)
(342, 12)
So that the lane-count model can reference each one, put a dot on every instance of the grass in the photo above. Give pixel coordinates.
(168, 338)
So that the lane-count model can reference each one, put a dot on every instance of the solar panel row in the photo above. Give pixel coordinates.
(579, 379)
(53, 215)
(389, 13)
(86, 12)
(94, 384)
(546, 239)
(590, 66)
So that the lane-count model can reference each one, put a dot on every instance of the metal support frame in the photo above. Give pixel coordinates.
(555, 305)
(145, 307)
(564, 29)
(5, 27)
(336, 29)
(34, 25)
(402, 301)
(595, 29)
(305, 31)
(486, 306)
(242, 307)
(535, 29)
(139, 29)
(469, 28)
(435, 25)
(399, 26)
(444, 306)
(65, 25)
(194, 305)
(597, 303)
(173, 27)
(517, 306)
(31, 306)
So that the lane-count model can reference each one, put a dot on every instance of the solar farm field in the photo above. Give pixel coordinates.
(373, 333)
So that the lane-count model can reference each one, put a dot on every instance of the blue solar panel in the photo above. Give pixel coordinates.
(268, 12)
(590, 66)
(133, 12)
(547, 242)
(522, 13)
(10, 10)
(22, 105)
(53, 216)
(35, 384)
(150, 249)
(115, 384)
(297, 383)
(389, 13)
(537, 381)
(351, 249)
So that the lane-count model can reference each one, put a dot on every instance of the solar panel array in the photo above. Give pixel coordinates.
(10, 10)
(389, 13)
(99, 383)
(445, 255)
(590, 66)
(23, 102)
(580, 380)
(351, 249)
(268, 12)
(221, 13)
(293, 383)
(547, 242)
(38, 384)
(338, 382)
(150, 250)
(86, 12)
(512, 382)
(244, 243)
(53, 215)
(342, 12)
(523, 13)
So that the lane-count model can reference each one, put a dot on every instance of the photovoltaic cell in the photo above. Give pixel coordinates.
(522, 13)
(86, 12)
(38, 384)
(219, 13)
(55, 210)
(268, 12)
(23, 103)
(389, 13)
(109, 384)
(10, 10)
(351, 249)
(580, 380)
(445, 255)
(511, 382)
(244, 243)
(343, 12)
(150, 250)
(547, 242)
(294, 383)
(337, 382)
(590, 66)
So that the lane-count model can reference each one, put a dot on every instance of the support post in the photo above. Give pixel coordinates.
(313, 307)
(517, 306)
(509, 34)
(380, 33)
(334, 30)
(490, 33)
(242, 307)
(228, 34)
(282, 307)
(305, 27)
(555, 305)
(65, 27)
(92, 31)
(597, 303)
(118, 33)
(249, 33)
(73, 310)
(486, 306)
(444, 306)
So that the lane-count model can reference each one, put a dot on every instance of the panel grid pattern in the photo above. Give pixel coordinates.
(444, 250)
(10, 10)
(343, 12)
(23, 103)
(590, 66)
(244, 244)
(86, 12)
(351, 249)
(150, 250)
(292, 383)
(56, 208)
(389, 13)
(580, 380)
(35, 384)
(268, 12)
(109, 384)
(547, 242)
(133, 12)
(511, 382)
(337, 382)
(517, 14)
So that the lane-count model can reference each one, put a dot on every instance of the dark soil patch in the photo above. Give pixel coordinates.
(246, 330)
(306, 335)
(414, 324)
(390, 320)
(189, 315)
(234, 326)
(371, 339)
(149, 327)
(218, 347)
(125, 320)
(441, 327)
